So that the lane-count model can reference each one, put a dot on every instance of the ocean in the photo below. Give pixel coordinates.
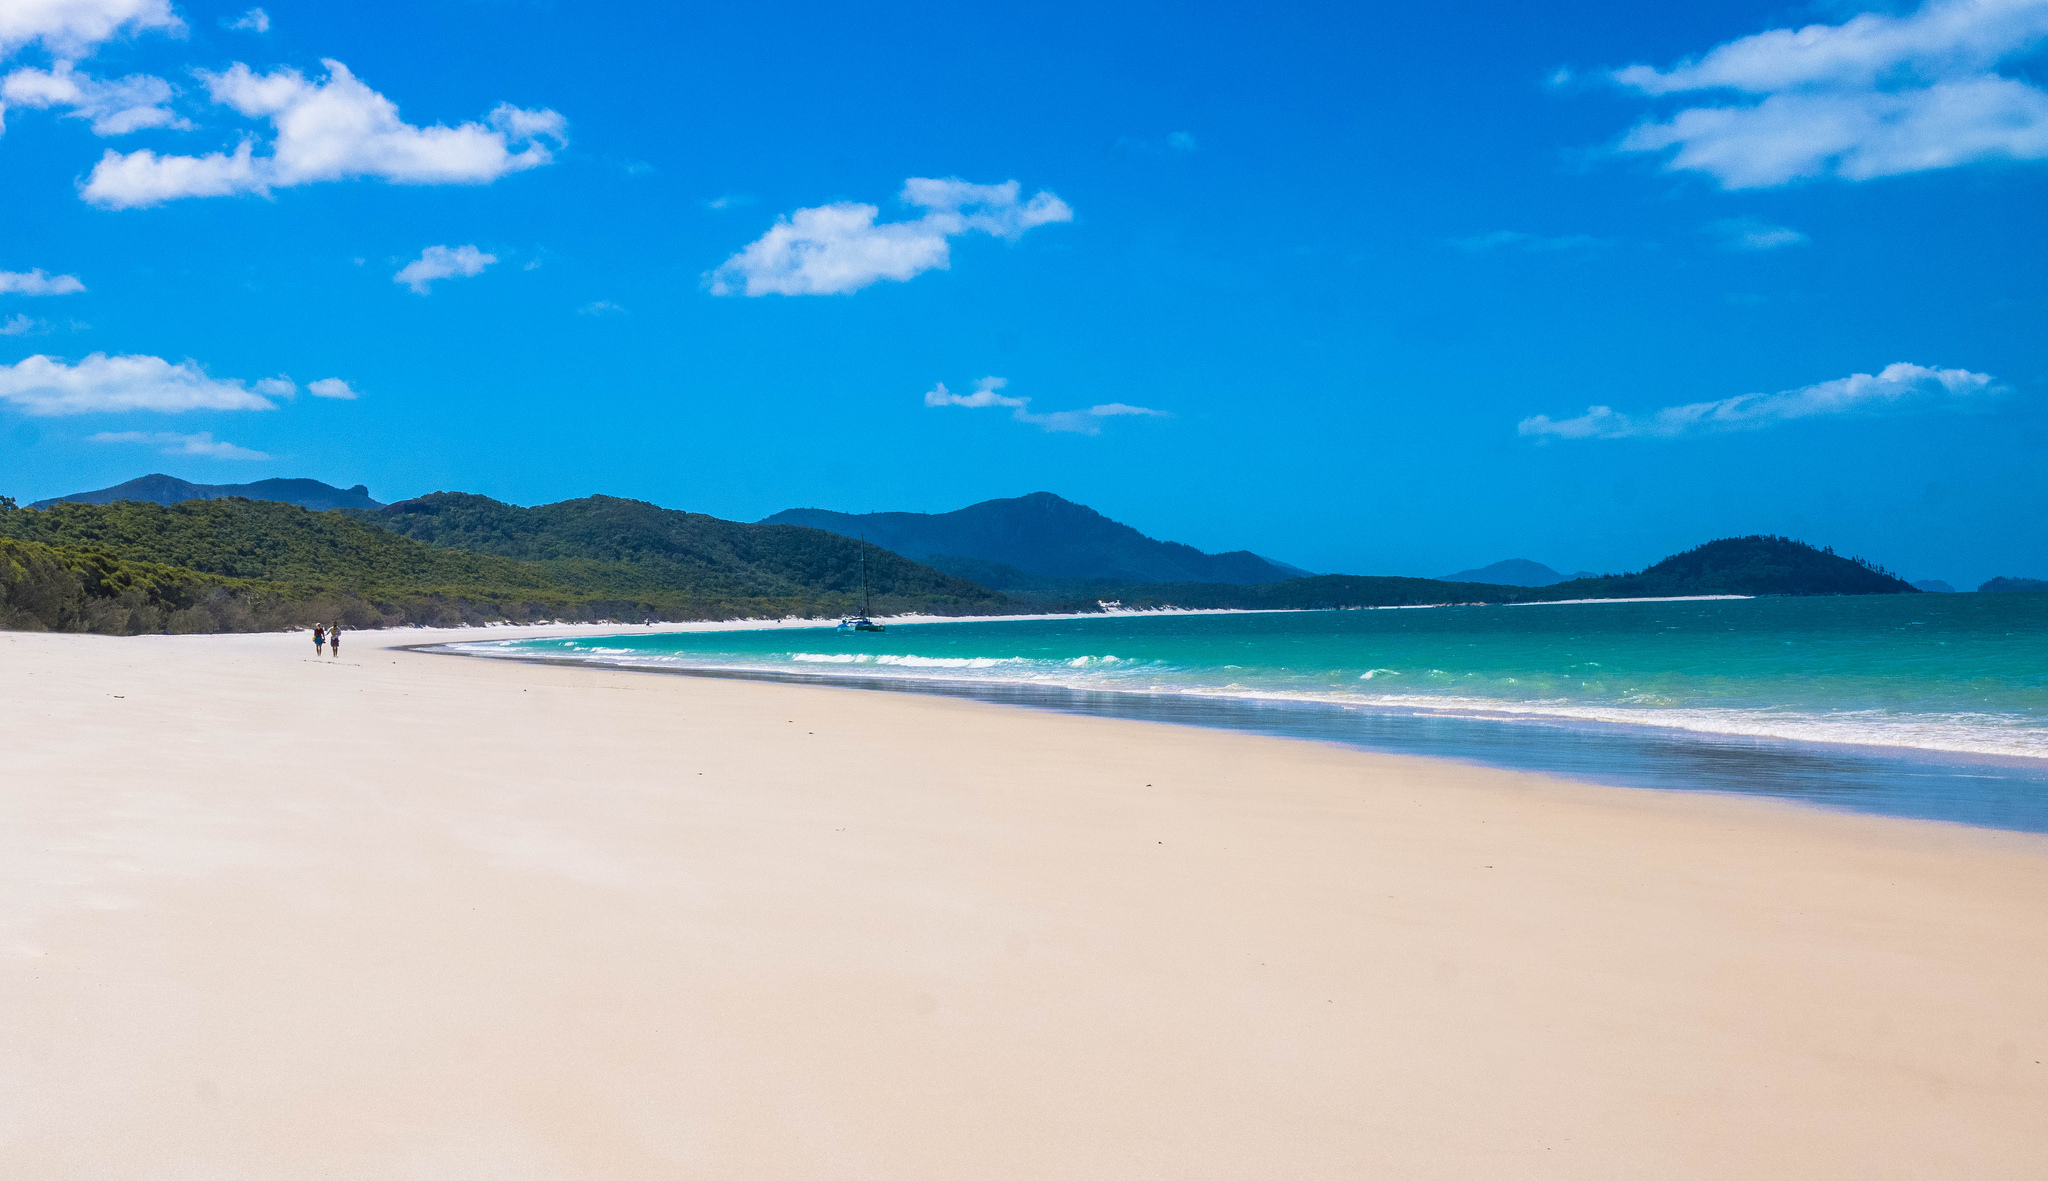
(1932, 705)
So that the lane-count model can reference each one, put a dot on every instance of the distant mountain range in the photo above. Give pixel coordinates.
(222, 561)
(2014, 585)
(1515, 572)
(162, 489)
(1024, 541)
(1933, 586)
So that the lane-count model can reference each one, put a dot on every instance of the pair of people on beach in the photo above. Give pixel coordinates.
(326, 635)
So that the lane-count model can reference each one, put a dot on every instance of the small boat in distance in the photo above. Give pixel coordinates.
(861, 622)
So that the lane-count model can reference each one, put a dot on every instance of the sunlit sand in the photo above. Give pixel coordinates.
(398, 915)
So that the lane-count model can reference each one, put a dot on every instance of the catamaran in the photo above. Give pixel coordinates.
(861, 622)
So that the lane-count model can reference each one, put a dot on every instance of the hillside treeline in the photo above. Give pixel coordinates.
(242, 565)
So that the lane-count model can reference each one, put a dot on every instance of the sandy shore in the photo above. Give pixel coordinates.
(410, 916)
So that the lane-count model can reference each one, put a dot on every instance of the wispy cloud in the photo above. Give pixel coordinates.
(49, 386)
(169, 443)
(988, 392)
(442, 262)
(839, 248)
(332, 387)
(328, 130)
(71, 29)
(1534, 243)
(36, 282)
(19, 325)
(1172, 143)
(602, 307)
(1898, 387)
(113, 106)
(1755, 234)
(253, 21)
(1876, 95)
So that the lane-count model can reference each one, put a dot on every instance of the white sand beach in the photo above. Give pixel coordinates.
(401, 915)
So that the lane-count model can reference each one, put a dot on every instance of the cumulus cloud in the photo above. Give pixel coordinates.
(1874, 96)
(113, 106)
(202, 443)
(48, 386)
(253, 21)
(1898, 387)
(72, 28)
(332, 387)
(332, 129)
(839, 248)
(988, 392)
(1755, 234)
(1517, 240)
(442, 262)
(35, 282)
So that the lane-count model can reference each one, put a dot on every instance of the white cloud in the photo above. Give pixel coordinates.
(442, 262)
(1517, 240)
(277, 387)
(602, 307)
(333, 129)
(115, 107)
(48, 386)
(1874, 96)
(838, 248)
(1181, 141)
(984, 395)
(987, 392)
(72, 28)
(332, 387)
(19, 325)
(202, 443)
(255, 21)
(1086, 422)
(1755, 234)
(35, 282)
(1898, 386)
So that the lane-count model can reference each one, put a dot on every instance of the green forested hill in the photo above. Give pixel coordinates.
(1755, 565)
(674, 548)
(234, 564)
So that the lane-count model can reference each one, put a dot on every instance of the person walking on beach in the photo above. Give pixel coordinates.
(319, 640)
(334, 640)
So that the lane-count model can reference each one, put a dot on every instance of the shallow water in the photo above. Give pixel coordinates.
(1923, 705)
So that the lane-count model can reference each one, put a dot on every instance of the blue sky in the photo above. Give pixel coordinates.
(1336, 283)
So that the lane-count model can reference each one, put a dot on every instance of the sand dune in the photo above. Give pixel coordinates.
(409, 916)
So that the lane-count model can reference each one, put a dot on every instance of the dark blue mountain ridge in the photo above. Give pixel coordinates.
(158, 488)
(1041, 534)
(1515, 572)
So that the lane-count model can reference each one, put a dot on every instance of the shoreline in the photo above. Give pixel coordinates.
(387, 916)
(790, 621)
(1408, 729)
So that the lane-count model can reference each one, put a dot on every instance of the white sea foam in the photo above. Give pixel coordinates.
(894, 661)
(1957, 731)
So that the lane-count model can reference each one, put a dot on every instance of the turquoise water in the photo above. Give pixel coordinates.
(1942, 681)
